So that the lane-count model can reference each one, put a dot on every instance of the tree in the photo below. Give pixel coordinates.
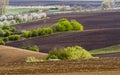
(76, 25)
(66, 23)
(68, 53)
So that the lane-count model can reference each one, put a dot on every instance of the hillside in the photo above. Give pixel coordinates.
(89, 20)
(13, 55)
(89, 39)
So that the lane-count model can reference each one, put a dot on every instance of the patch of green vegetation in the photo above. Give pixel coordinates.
(61, 26)
(32, 48)
(17, 10)
(69, 53)
(111, 49)
(33, 59)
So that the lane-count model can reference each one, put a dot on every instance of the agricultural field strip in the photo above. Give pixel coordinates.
(102, 64)
(89, 20)
(66, 39)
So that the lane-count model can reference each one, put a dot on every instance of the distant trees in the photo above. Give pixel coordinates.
(68, 53)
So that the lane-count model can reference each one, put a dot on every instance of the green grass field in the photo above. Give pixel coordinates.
(111, 49)
(16, 10)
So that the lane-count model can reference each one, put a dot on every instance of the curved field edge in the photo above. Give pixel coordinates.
(16, 55)
(111, 49)
(88, 39)
(95, 65)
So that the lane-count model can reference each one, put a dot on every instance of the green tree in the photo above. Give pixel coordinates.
(76, 25)
(65, 23)
(68, 53)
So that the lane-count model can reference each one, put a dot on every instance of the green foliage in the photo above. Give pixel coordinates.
(7, 32)
(2, 42)
(12, 29)
(32, 48)
(65, 25)
(2, 33)
(27, 34)
(14, 37)
(6, 27)
(76, 25)
(35, 33)
(33, 59)
(68, 53)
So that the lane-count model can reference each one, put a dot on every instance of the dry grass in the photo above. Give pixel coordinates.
(12, 55)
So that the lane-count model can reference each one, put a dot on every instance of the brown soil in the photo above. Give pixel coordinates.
(13, 55)
(89, 20)
(89, 39)
(70, 66)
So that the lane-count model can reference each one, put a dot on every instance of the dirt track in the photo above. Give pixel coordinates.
(89, 39)
(89, 20)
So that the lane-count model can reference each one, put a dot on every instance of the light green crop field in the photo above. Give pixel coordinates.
(16, 11)
(111, 49)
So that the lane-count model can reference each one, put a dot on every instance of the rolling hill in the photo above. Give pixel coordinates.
(16, 55)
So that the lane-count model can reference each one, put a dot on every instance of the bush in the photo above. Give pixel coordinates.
(58, 28)
(12, 29)
(2, 42)
(14, 37)
(7, 32)
(35, 33)
(69, 53)
(33, 59)
(6, 27)
(2, 33)
(66, 23)
(27, 34)
(32, 48)
(76, 25)
(46, 31)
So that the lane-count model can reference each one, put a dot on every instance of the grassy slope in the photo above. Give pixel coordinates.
(111, 49)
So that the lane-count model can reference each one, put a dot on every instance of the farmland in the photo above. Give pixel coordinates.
(101, 31)
(89, 20)
(70, 66)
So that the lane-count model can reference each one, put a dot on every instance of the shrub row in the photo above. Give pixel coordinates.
(60, 26)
